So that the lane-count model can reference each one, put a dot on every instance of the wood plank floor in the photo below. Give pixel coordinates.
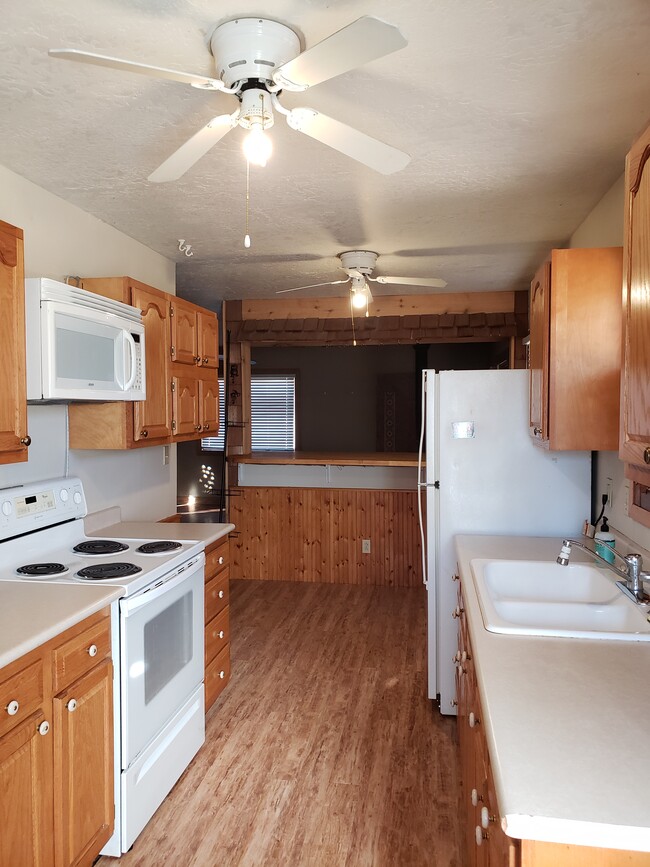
(323, 750)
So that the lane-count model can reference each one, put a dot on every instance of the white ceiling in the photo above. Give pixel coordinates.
(517, 115)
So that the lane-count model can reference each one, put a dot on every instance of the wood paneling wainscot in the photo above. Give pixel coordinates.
(315, 534)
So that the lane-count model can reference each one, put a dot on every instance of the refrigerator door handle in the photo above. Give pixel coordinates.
(422, 484)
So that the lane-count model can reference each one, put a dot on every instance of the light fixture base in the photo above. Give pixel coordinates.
(363, 261)
(252, 48)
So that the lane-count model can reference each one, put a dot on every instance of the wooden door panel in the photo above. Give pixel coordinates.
(208, 328)
(209, 402)
(26, 809)
(83, 762)
(13, 396)
(185, 399)
(184, 333)
(539, 346)
(152, 417)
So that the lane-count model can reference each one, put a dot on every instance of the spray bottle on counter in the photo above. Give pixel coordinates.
(605, 541)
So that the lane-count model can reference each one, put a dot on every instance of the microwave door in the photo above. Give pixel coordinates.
(85, 354)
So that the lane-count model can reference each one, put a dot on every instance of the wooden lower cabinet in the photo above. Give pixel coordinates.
(56, 760)
(217, 620)
(486, 843)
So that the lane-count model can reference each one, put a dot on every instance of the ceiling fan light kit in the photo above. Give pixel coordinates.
(255, 59)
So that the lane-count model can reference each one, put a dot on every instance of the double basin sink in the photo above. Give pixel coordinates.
(528, 597)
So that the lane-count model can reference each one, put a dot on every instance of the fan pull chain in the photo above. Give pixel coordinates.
(247, 237)
(354, 336)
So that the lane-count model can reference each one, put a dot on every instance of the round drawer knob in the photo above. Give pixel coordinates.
(206, 427)
(537, 431)
(144, 433)
(456, 657)
(205, 360)
(457, 612)
(473, 720)
(72, 705)
(221, 594)
(486, 819)
(92, 650)
(220, 633)
(646, 455)
(26, 441)
(197, 427)
(44, 727)
(222, 674)
(480, 835)
(12, 708)
(220, 561)
(455, 577)
(453, 703)
(465, 656)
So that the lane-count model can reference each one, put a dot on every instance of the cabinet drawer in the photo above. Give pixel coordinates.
(217, 560)
(217, 635)
(217, 675)
(20, 695)
(80, 653)
(216, 595)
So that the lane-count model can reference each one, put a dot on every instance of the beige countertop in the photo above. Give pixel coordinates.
(206, 533)
(33, 612)
(566, 721)
(338, 459)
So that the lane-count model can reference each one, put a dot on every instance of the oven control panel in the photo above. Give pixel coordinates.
(40, 504)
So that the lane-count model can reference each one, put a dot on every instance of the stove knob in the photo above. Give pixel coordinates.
(6, 508)
(64, 495)
(77, 497)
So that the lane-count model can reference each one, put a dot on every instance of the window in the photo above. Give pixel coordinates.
(273, 412)
(215, 444)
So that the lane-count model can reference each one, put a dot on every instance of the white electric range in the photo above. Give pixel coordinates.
(157, 627)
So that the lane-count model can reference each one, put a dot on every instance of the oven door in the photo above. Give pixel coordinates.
(161, 654)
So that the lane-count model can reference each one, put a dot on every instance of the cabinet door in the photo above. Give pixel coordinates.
(13, 397)
(209, 401)
(185, 406)
(540, 290)
(635, 390)
(208, 326)
(152, 417)
(184, 348)
(83, 767)
(26, 794)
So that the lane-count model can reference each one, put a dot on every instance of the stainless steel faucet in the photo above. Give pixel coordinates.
(632, 574)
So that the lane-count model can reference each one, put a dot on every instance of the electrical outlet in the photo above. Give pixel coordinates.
(626, 494)
(165, 456)
(609, 490)
(365, 546)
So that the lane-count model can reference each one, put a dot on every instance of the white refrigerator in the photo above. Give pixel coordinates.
(484, 475)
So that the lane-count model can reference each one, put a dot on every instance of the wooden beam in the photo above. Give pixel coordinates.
(382, 305)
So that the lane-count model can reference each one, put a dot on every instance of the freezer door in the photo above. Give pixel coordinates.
(429, 493)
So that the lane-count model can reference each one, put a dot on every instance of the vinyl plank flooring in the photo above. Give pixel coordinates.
(323, 751)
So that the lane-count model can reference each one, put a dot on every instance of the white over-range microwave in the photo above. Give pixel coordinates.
(81, 346)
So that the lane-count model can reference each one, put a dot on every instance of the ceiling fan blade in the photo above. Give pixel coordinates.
(433, 282)
(194, 148)
(202, 81)
(364, 40)
(311, 286)
(349, 141)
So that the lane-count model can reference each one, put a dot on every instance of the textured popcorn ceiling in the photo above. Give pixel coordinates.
(517, 115)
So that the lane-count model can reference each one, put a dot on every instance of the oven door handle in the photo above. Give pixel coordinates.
(130, 606)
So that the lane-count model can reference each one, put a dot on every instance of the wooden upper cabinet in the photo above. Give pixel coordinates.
(185, 339)
(209, 406)
(185, 400)
(13, 397)
(195, 335)
(634, 445)
(152, 417)
(575, 350)
(540, 308)
(208, 330)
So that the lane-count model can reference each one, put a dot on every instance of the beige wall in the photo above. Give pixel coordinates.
(61, 240)
(603, 227)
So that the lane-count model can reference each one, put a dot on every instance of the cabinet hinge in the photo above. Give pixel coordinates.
(171, 310)
(173, 385)
(172, 351)
(173, 425)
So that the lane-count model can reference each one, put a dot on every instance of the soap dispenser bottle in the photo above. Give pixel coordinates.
(605, 541)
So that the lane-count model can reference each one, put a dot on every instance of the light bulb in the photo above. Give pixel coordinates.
(358, 299)
(247, 241)
(257, 145)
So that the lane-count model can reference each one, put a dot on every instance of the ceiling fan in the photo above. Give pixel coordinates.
(257, 58)
(359, 265)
